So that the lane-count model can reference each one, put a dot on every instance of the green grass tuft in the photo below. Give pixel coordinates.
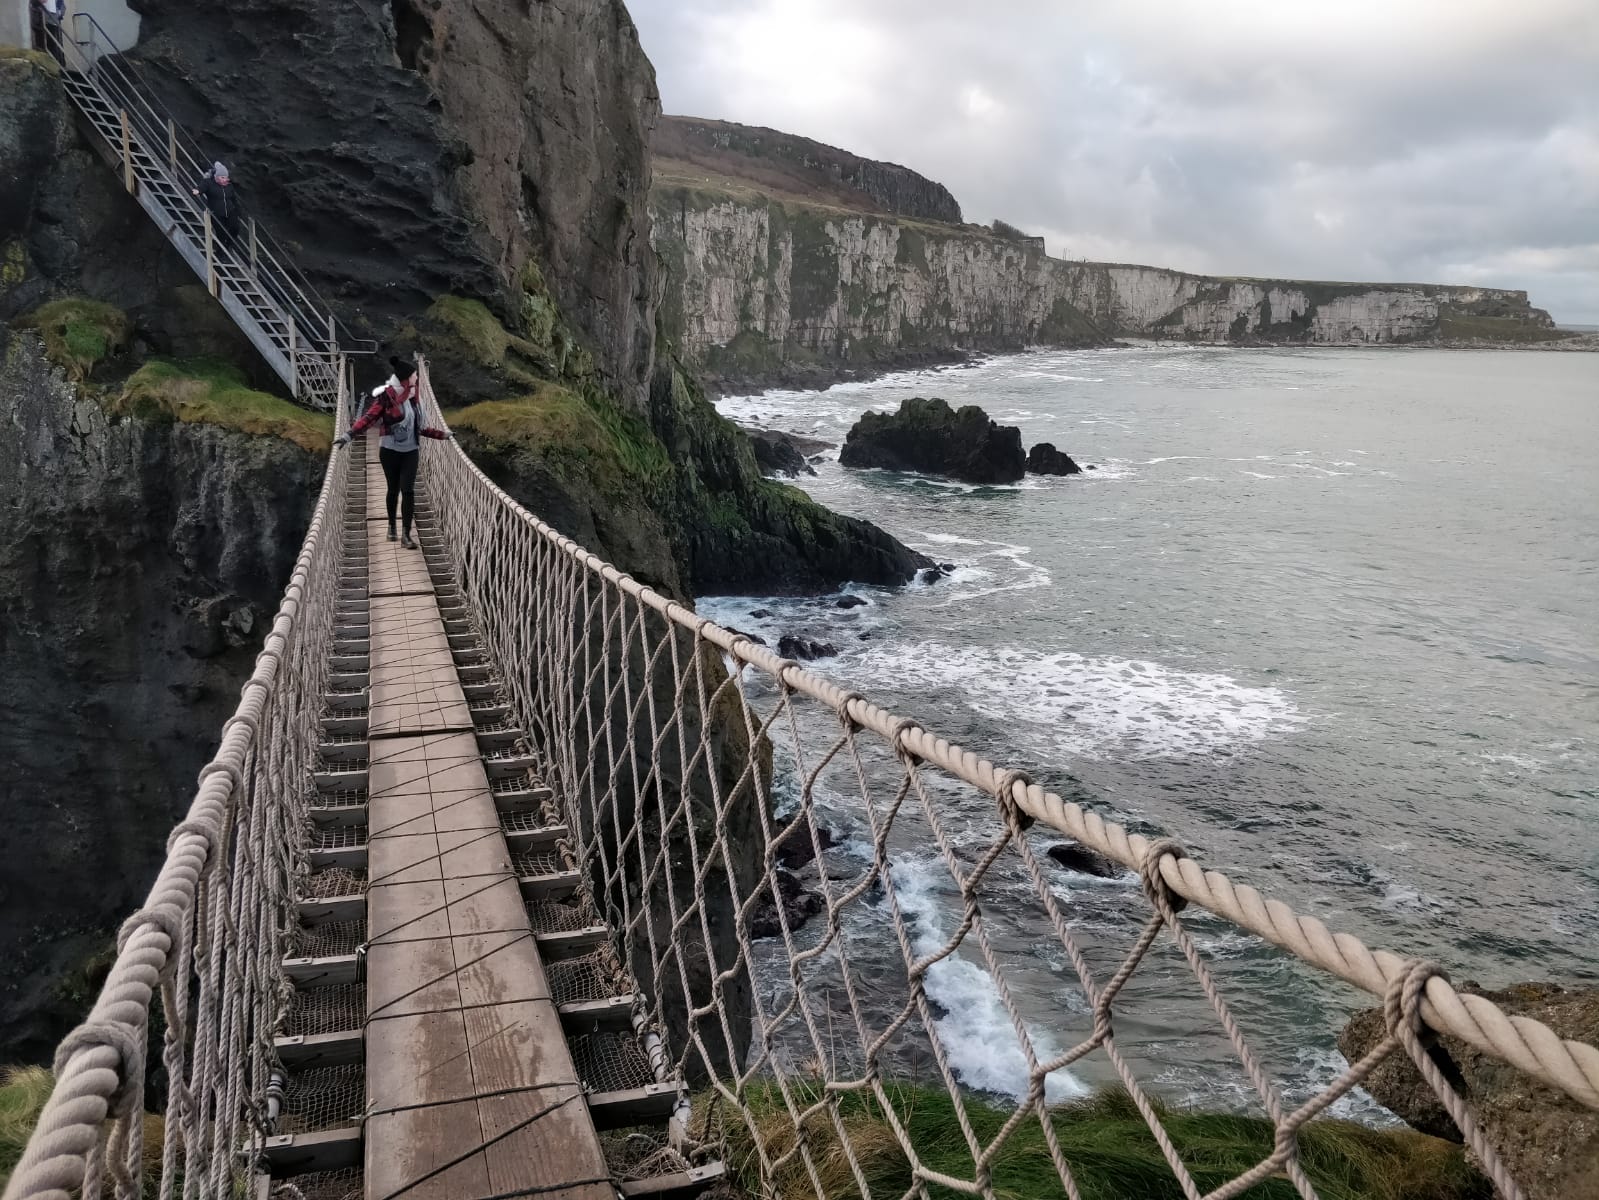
(23, 1093)
(577, 437)
(216, 393)
(79, 334)
(1103, 1139)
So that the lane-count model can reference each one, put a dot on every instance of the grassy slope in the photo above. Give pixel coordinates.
(215, 393)
(1104, 1141)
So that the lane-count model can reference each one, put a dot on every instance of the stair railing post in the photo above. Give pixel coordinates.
(172, 143)
(253, 251)
(210, 255)
(128, 181)
(294, 360)
(333, 334)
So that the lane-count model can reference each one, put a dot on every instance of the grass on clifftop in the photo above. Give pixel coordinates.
(215, 393)
(577, 438)
(79, 334)
(1103, 1139)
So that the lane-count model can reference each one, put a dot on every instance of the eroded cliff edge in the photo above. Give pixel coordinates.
(775, 278)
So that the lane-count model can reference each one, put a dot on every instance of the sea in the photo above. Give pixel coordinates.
(1330, 618)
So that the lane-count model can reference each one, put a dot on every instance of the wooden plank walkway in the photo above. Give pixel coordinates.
(471, 1088)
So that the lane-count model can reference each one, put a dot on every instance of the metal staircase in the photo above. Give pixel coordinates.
(251, 276)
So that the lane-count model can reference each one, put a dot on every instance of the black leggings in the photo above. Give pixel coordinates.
(399, 468)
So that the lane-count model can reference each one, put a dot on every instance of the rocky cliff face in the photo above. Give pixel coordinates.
(760, 289)
(139, 566)
(796, 165)
(433, 147)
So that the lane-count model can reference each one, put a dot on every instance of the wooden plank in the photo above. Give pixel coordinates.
(585, 1016)
(319, 1049)
(340, 908)
(635, 1106)
(323, 972)
(680, 1185)
(411, 1153)
(543, 1139)
(330, 1150)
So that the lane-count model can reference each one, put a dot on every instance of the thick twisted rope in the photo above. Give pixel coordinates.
(1531, 1046)
(99, 1067)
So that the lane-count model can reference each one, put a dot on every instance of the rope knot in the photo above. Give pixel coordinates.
(896, 736)
(1004, 793)
(1401, 1003)
(210, 832)
(127, 1041)
(841, 707)
(165, 918)
(1155, 887)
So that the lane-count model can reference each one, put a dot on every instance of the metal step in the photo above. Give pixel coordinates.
(680, 1185)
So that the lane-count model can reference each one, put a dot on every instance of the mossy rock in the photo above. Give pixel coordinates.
(580, 438)
(209, 392)
(80, 335)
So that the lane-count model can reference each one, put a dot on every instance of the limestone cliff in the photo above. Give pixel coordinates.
(763, 285)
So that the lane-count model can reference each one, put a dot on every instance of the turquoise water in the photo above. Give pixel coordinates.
(1330, 618)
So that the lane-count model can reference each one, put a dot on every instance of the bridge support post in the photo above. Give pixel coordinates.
(210, 255)
(128, 179)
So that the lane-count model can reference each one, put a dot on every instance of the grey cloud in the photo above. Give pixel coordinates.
(1423, 140)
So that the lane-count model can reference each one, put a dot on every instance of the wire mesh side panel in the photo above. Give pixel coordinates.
(208, 943)
(820, 1019)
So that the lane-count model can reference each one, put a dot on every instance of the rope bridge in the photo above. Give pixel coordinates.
(670, 745)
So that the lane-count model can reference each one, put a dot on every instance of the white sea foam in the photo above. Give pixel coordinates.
(977, 1032)
(1102, 708)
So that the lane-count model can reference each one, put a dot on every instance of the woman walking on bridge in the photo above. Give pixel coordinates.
(396, 408)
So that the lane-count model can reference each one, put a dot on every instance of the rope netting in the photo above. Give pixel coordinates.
(190, 1006)
(694, 764)
(700, 776)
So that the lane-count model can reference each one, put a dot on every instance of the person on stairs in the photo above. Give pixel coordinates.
(216, 190)
(396, 409)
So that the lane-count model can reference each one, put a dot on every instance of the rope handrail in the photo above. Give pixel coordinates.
(1571, 1066)
(94, 1114)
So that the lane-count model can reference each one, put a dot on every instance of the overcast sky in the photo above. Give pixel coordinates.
(1448, 141)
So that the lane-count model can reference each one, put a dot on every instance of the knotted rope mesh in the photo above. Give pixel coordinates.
(698, 771)
(191, 1002)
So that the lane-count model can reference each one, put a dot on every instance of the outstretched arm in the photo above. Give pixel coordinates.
(441, 434)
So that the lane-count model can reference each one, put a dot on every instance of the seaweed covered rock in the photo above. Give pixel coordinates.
(1044, 459)
(930, 436)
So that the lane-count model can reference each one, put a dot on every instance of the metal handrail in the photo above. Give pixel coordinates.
(288, 286)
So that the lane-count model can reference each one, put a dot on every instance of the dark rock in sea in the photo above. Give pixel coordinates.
(1075, 856)
(936, 572)
(776, 454)
(849, 602)
(1092, 467)
(930, 436)
(1549, 1142)
(760, 613)
(1044, 459)
(792, 646)
(798, 903)
(795, 846)
(744, 633)
(947, 568)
